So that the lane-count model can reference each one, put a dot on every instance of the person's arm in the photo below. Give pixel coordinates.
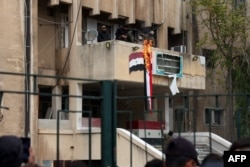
(31, 159)
(100, 37)
(117, 33)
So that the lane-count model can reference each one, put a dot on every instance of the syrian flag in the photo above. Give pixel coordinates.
(136, 62)
(148, 87)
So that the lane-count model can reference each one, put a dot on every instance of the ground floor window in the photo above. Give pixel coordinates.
(214, 115)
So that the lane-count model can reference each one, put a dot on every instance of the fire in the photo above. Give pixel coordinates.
(147, 53)
(148, 74)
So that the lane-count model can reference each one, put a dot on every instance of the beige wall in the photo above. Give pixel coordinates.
(48, 33)
(99, 62)
(12, 54)
(75, 146)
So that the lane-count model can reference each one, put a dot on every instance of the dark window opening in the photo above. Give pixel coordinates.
(215, 116)
(89, 104)
(209, 55)
(45, 100)
(65, 98)
(177, 40)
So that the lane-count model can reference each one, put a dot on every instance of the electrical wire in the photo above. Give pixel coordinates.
(71, 42)
(50, 40)
(48, 21)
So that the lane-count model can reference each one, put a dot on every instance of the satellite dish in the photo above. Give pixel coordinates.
(91, 35)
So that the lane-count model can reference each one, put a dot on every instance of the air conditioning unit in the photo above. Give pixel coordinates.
(180, 48)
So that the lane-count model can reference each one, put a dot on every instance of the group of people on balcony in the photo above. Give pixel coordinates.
(125, 33)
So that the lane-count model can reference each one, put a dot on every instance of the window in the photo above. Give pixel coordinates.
(239, 3)
(65, 98)
(45, 101)
(182, 119)
(208, 54)
(92, 105)
(64, 40)
(47, 109)
(216, 116)
(165, 64)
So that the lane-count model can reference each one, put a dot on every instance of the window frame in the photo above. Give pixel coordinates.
(217, 116)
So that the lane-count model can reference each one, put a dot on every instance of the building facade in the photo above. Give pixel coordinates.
(51, 61)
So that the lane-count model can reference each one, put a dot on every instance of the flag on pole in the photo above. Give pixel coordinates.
(136, 62)
(142, 61)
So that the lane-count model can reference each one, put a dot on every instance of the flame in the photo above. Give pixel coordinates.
(147, 44)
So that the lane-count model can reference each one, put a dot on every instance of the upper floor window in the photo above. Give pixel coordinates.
(239, 3)
(208, 54)
(64, 33)
(166, 64)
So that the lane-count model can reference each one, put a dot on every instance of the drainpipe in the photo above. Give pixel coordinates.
(27, 65)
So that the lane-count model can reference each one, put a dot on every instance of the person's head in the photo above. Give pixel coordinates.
(241, 145)
(181, 153)
(11, 151)
(170, 133)
(104, 28)
(212, 160)
(125, 27)
(155, 163)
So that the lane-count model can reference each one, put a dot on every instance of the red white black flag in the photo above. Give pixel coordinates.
(142, 61)
(136, 62)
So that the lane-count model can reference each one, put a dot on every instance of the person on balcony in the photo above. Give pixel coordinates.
(122, 33)
(103, 34)
(151, 37)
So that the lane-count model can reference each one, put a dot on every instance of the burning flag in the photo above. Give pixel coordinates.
(148, 72)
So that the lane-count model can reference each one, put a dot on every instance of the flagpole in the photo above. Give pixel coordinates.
(145, 89)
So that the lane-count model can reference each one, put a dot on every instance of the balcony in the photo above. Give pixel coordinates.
(98, 61)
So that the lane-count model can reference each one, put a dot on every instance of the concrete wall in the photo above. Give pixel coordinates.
(12, 55)
(98, 62)
(74, 145)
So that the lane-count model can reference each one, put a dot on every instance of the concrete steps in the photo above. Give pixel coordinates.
(203, 150)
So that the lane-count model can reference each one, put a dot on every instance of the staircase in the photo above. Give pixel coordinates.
(219, 145)
(203, 150)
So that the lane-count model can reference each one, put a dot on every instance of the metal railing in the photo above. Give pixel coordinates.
(109, 111)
